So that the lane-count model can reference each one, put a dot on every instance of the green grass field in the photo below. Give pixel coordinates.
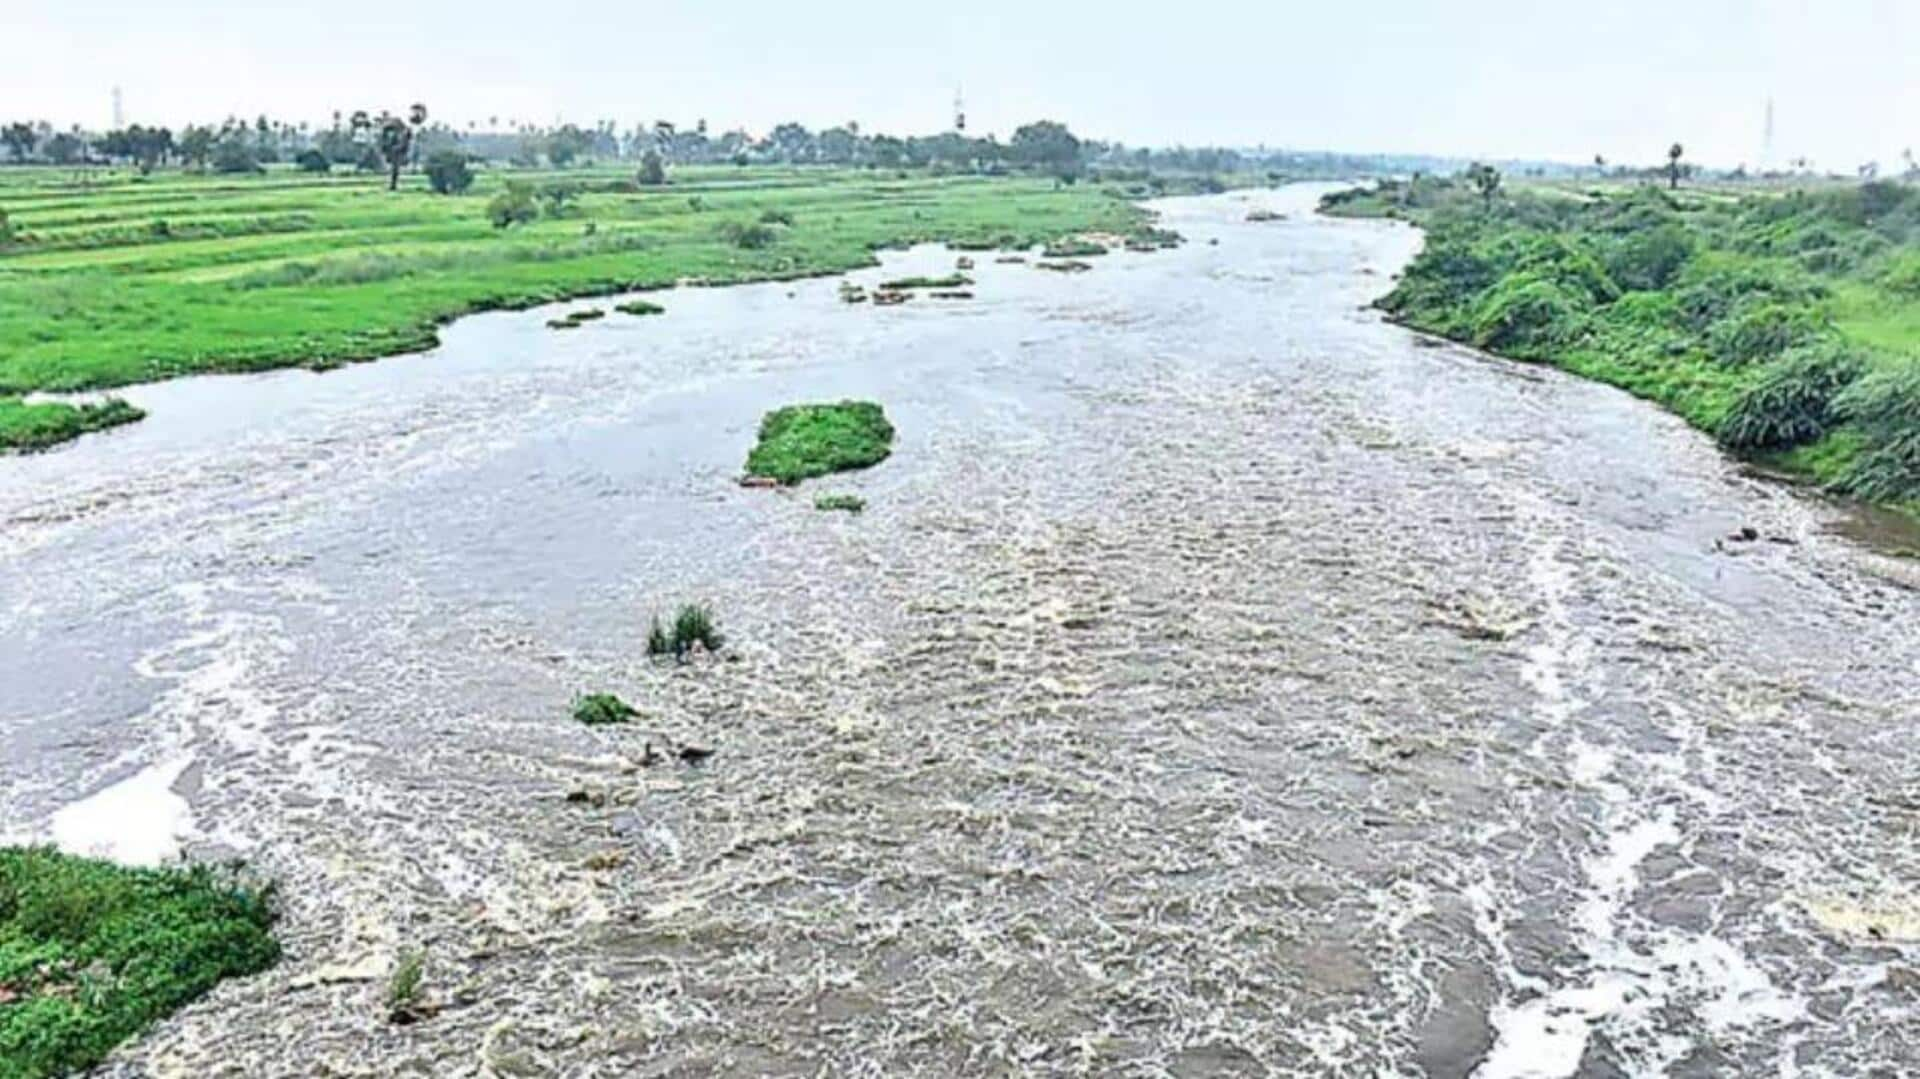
(112, 279)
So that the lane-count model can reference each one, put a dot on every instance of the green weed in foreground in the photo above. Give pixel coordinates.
(26, 428)
(692, 624)
(93, 953)
(842, 503)
(803, 441)
(602, 709)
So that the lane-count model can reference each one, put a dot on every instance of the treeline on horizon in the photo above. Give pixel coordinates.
(353, 141)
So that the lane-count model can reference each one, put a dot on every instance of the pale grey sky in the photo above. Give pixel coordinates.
(1503, 78)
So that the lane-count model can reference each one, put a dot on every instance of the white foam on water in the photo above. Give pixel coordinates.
(137, 821)
(1545, 1026)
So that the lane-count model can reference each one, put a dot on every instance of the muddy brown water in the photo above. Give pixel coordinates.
(1220, 681)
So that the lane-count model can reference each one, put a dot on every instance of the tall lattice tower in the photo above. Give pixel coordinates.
(959, 112)
(119, 110)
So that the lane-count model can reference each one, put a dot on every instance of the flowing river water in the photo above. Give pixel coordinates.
(1221, 681)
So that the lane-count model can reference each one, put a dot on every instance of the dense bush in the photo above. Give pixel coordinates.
(693, 624)
(1885, 408)
(1649, 259)
(311, 160)
(749, 235)
(449, 172)
(1527, 314)
(93, 953)
(1760, 331)
(1790, 401)
(514, 206)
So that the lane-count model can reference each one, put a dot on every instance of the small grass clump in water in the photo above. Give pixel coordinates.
(602, 709)
(641, 307)
(803, 441)
(575, 319)
(693, 624)
(1072, 249)
(92, 953)
(952, 280)
(27, 428)
(405, 1002)
(843, 503)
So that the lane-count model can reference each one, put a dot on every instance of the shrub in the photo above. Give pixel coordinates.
(1761, 331)
(693, 624)
(449, 172)
(1885, 407)
(514, 206)
(750, 236)
(653, 170)
(602, 709)
(93, 953)
(1526, 314)
(1790, 401)
(802, 441)
(311, 160)
(1649, 260)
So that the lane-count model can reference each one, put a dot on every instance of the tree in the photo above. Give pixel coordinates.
(1484, 179)
(793, 142)
(1048, 145)
(312, 160)
(1674, 153)
(394, 138)
(65, 149)
(235, 153)
(653, 169)
(20, 139)
(448, 172)
(514, 206)
(196, 146)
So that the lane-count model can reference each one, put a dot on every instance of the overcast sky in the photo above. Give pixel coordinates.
(1499, 78)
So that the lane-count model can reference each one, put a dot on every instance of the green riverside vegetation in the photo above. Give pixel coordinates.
(800, 442)
(122, 278)
(93, 953)
(1787, 325)
(41, 424)
(602, 709)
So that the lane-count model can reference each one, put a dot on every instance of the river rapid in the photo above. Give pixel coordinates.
(1221, 680)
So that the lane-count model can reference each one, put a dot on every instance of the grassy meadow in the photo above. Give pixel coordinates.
(1787, 324)
(111, 279)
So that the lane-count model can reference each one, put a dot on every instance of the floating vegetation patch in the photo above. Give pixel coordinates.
(1063, 265)
(803, 441)
(693, 625)
(950, 281)
(602, 709)
(840, 503)
(1073, 248)
(641, 307)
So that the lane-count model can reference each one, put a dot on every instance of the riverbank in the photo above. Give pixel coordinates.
(132, 281)
(1783, 325)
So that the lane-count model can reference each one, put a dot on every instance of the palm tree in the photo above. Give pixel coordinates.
(1674, 154)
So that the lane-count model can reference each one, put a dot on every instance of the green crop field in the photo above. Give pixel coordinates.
(109, 279)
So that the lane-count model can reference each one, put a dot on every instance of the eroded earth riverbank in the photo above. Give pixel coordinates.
(1220, 681)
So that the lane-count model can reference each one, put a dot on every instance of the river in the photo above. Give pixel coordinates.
(1221, 680)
